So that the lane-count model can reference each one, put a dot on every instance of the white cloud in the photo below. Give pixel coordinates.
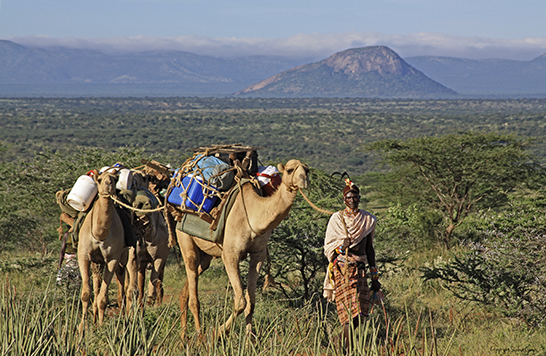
(310, 46)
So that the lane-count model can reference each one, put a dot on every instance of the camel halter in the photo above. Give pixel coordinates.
(292, 187)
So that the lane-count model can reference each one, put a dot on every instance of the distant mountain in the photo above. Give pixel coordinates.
(359, 72)
(59, 65)
(486, 76)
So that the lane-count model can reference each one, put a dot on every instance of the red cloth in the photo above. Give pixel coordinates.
(353, 299)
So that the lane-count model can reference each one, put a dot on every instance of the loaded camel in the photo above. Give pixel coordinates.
(101, 242)
(152, 248)
(247, 231)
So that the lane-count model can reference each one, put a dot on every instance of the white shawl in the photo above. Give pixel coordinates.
(358, 227)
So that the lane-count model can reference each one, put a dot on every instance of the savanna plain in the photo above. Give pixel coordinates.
(471, 282)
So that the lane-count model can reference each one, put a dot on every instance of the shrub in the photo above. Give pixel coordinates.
(507, 269)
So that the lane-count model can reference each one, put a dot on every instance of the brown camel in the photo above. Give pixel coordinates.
(101, 242)
(153, 248)
(247, 231)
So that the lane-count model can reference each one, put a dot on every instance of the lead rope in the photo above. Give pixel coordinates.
(346, 267)
(313, 205)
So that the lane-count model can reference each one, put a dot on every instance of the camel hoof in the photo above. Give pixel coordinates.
(201, 337)
(81, 329)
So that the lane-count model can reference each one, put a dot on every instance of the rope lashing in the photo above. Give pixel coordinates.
(135, 209)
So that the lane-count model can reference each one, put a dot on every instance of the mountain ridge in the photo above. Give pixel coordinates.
(375, 71)
(61, 65)
(485, 76)
(60, 71)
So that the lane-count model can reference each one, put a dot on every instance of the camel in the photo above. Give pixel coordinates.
(152, 247)
(101, 243)
(247, 231)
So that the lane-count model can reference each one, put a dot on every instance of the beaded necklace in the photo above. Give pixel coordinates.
(350, 213)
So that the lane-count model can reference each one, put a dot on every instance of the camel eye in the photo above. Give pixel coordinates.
(289, 171)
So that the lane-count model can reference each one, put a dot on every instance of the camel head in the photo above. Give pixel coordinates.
(106, 183)
(294, 174)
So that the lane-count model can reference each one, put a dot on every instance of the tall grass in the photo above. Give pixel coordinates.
(46, 322)
(417, 319)
(34, 324)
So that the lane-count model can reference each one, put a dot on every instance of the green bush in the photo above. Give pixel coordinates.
(401, 229)
(506, 269)
(28, 209)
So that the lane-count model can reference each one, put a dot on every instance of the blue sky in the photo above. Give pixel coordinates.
(304, 28)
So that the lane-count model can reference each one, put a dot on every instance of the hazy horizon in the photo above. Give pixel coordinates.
(298, 29)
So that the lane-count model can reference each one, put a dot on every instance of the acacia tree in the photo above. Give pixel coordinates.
(458, 173)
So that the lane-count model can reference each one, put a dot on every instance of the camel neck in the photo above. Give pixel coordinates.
(103, 211)
(270, 211)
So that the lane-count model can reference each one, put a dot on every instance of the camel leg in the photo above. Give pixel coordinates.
(188, 296)
(86, 290)
(155, 290)
(132, 267)
(96, 271)
(141, 281)
(231, 262)
(183, 298)
(121, 278)
(102, 298)
(123, 281)
(256, 261)
(159, 285)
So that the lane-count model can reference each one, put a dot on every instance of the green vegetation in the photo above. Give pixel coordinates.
(457, 174)
(504, 268)
(484, 296)
(326, 133)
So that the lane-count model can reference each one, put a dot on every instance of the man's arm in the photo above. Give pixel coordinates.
(370, 251)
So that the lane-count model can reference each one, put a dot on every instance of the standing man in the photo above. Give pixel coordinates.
(349, 248)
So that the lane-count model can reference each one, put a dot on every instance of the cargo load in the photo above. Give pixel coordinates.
(204, 188)
(200, 184)
(191, 192)
(83, 192)
(269, 178)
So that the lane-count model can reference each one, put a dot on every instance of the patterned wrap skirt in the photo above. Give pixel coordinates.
(352, 299)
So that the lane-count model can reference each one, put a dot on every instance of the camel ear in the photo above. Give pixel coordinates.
(280, 167)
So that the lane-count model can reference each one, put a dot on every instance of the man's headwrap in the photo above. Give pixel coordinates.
(350, 187)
